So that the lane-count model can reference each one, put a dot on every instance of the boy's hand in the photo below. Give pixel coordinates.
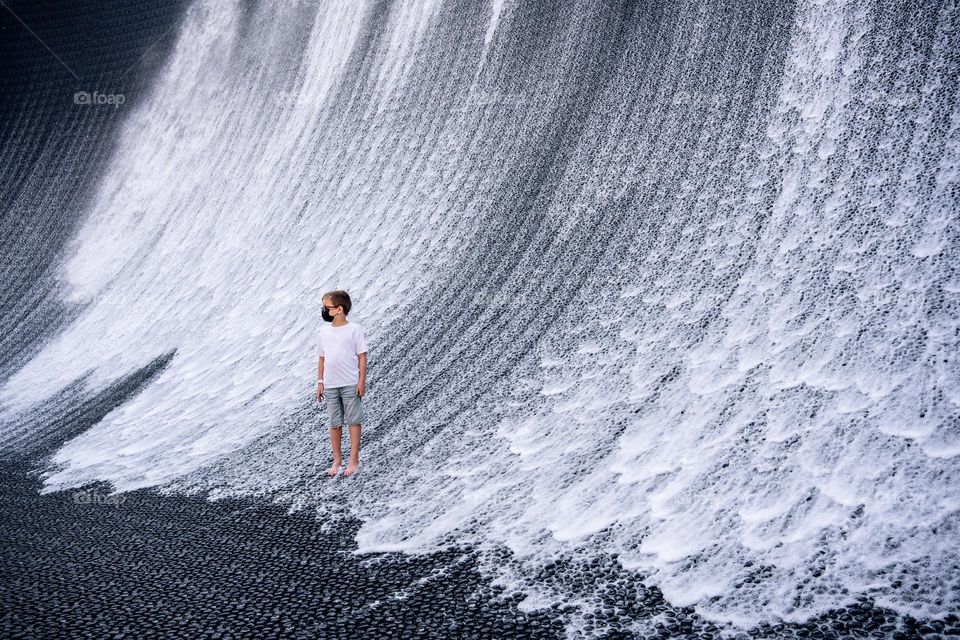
(361, 388)
(319, 391)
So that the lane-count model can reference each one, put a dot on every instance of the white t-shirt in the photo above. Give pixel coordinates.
(340, 348)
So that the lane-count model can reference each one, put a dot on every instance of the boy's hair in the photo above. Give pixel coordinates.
(339, 298)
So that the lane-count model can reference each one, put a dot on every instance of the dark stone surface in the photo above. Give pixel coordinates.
(153, 566)
(76, 565)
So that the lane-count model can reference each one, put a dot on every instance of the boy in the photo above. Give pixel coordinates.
(342, 372)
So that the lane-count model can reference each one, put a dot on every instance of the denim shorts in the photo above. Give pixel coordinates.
(344, 405)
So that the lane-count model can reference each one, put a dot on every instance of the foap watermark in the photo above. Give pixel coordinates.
(96, 98)
(95, 497)
(486, 298)
(479, 99)
(297, 100)
(698, 98)
(891, 98)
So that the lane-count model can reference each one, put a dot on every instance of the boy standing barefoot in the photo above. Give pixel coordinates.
(342, 372)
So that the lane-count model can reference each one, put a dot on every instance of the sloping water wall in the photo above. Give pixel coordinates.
(672, 281)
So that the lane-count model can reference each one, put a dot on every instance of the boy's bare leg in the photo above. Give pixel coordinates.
(354, 450)
(335, 434)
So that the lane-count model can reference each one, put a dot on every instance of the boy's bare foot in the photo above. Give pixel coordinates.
(332, 471)
(351, 468)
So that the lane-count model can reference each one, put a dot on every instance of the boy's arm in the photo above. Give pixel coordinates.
(321, 353)
(361, 349)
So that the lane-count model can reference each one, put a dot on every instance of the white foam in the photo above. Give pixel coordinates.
(753, 369)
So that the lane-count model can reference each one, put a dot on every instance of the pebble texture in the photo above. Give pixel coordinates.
(81, 565)
(716, 237)
(155, 567)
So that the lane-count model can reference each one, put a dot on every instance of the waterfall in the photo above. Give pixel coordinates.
(674, 283)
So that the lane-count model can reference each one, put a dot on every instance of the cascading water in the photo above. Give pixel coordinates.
(674, 283)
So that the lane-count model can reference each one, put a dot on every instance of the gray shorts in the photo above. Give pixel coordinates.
(344, 405)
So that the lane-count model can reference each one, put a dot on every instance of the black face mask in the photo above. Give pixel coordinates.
(326, 315)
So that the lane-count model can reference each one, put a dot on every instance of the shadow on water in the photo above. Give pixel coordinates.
(53, 148)
(37, 433)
